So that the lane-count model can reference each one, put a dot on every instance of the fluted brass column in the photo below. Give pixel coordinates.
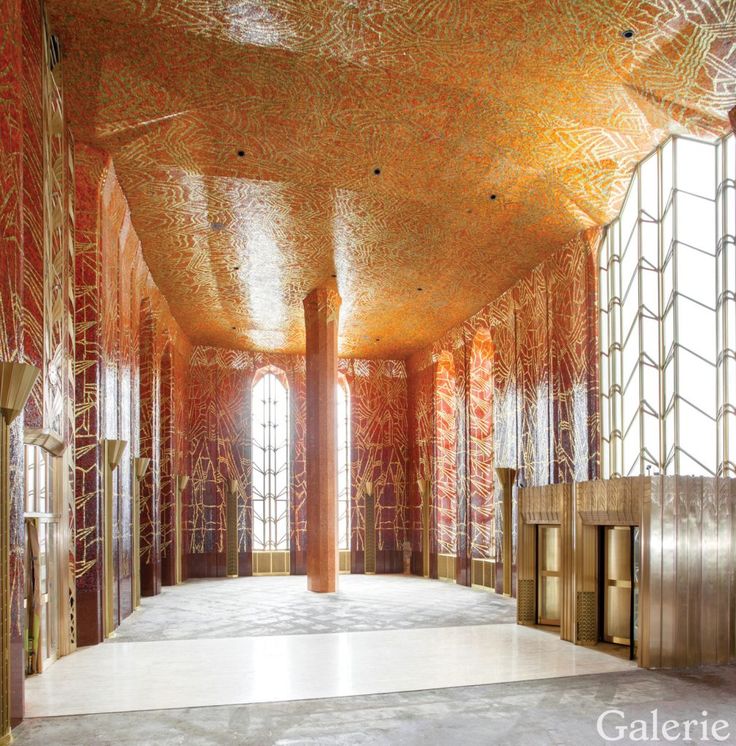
(506, 476)
(232, 528)
(112, 453)
(16, 382)
(140, 467)
(370, 530)
(181, 484)
(425, 492)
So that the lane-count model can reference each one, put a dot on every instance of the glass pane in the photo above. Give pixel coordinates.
(270, 458)
(30, 459)
(696, 167)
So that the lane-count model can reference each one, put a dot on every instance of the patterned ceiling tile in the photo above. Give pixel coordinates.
(542, 103)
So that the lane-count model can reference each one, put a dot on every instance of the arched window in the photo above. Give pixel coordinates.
(667, 310)
(343, 463)
(270, 458)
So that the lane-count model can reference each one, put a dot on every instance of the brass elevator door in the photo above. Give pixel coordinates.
(617, 585)
(548, 575)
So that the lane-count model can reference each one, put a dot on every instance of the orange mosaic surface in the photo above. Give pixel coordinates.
(542, 103)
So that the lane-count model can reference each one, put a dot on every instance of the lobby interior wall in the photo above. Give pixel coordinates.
(118, 386)
(543, 334)
(219, 424)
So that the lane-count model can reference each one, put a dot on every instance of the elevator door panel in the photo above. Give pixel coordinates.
(617, 587)
(548, 575)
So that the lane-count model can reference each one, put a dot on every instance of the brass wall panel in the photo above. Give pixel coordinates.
(617, 585)
(687, 597)
(232, 533)
(483, 572)
(446, 567)
(687, 582)
(526, 605)
(271, 563)
(370, 534)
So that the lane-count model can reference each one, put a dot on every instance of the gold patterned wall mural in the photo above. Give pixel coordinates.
(535, 347)
(251, 164)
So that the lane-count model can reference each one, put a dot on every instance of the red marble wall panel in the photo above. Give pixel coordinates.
(480, 428)
(11, 304)
(379, 453)
(533, 375)
(445, 455)
(219, 440)
(574, 348)
(118, 361)
(33, 204)
(420, 419)
(537, 373)
(167, 471)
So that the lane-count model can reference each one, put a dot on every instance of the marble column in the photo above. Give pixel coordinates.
(321, 314)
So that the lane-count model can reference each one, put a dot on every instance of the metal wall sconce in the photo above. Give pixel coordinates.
(140, 467)
(233, 488)
(182, 480)
(370, 529)
(112, 453)
(16, 383)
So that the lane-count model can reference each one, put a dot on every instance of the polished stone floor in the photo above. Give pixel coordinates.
(530, 713)
(251, 607)
(208, 662)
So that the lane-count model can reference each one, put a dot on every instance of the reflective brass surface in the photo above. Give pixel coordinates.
(182, 480)
(232, 528)
(425, 492)
(506, 476)
(370, 530)
(617, 585)
(549, 574)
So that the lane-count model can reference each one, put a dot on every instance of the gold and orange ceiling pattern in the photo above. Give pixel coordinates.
(246, 135)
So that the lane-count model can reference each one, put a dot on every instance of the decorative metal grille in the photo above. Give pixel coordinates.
(668, 316)
(270, 455)
(343, 464)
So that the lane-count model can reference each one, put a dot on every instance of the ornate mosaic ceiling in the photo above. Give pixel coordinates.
(247, 134)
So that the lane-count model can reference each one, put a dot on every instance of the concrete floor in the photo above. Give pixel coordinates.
(552, 711)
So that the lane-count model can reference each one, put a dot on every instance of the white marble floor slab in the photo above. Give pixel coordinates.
(123, 677)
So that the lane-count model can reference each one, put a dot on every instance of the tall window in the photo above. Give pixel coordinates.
(271, 477)
(668, 315)
(343, 464)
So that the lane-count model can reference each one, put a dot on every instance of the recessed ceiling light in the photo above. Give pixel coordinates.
(628, 33)
(377, 171)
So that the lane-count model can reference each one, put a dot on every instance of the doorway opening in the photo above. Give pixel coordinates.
(548, 575)
(618, 593)
(42, 560)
